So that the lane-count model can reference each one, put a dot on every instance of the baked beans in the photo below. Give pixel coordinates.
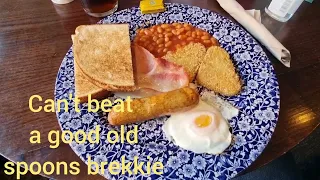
(162, 38)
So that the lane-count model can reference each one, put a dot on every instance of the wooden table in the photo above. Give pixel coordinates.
(35, 35)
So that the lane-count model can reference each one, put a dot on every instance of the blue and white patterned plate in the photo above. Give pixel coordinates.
(258, 103)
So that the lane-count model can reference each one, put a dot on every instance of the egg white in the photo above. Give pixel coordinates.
(213, 140)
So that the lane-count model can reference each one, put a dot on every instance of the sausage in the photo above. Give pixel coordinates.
(155, 106)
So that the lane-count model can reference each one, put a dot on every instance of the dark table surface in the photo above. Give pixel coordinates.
(35, 35)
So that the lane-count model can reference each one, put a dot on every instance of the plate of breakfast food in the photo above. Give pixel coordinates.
(186, 88)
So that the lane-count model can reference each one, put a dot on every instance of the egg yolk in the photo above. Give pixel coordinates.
(203, 121)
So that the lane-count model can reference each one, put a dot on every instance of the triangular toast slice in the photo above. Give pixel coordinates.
(84, 87)
(103, 54)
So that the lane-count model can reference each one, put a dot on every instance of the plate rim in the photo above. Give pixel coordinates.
(227, 18)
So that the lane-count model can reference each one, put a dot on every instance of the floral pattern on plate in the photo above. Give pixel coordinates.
(252, 129)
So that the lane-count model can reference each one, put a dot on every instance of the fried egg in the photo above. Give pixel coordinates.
(202, 129)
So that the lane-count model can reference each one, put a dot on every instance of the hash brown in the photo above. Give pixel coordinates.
(189, 57)
(217, 72)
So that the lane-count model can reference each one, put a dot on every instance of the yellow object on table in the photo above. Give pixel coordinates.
(151, 6)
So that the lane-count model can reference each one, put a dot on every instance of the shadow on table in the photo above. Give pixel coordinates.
(302, 162)
(283, 168)
(28, 176)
